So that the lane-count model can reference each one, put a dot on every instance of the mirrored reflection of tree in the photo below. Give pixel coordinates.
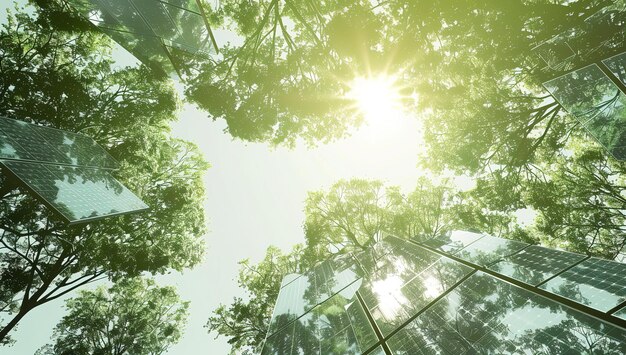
(488, 316)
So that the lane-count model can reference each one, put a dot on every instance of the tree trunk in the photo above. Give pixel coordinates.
(7, 328)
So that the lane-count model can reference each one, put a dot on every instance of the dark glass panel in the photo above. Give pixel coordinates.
(597, 103)
(488, 316)
(595, 282)
(617, 66)
(536, 264)
(489, 249)
(77, 193)
(454, 241)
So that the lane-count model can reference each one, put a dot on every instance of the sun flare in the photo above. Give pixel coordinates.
(377, 98)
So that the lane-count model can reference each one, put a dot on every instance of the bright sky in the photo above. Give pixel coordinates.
(254, 199)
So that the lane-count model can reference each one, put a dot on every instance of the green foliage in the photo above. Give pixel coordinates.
(246, 321)
(65, 80)
(134, 316)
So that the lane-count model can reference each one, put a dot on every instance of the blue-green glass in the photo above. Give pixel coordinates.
(484, 315)
(77, 193)
(555, 52)
(312, 288)
(18, 140)
(454, 241)
(24, 141)
(621, 313)
(598, 283)
(535, 264)
(336, 326)
(597, 103)
(488, 250)
(407, 280)
(617, 66)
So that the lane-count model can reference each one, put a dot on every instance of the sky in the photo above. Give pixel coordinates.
(254, 198)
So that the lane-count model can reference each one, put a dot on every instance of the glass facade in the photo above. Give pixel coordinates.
(584, 69)
(160, 33)
(68, 172)
(450, 295)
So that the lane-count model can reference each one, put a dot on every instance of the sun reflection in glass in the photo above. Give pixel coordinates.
(433, 287)
(389, 295)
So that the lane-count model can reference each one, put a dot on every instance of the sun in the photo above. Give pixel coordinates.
(377, 98)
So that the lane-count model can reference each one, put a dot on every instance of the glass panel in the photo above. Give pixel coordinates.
(377, 351)
(18, 140)
(621, 313)
(554, 52)
(484, 315)
(156, 17)
(336, 326)
(617, 66)
(401, 289)
(535, 264)
(192, 33)
(79, 194)
(77, 149)
(598, 283)
(454, 241)
(489, 249)
(597, 103)
(312, 288)
(288, 279)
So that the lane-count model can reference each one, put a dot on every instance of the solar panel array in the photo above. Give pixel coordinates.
(157, 32)
(452, 295)
(68, 172)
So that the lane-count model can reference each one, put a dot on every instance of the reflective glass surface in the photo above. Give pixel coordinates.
(454, 241)
(484, 315)
(427, 303)
(77, 193)
(488, 250)
(24, 141)
(597, 103)
(407, 280)
(598, 283)
(617, 66)
(596, 37)
(535, 264)
(312, 288)
(337, 326)
(147, 27)
(621, 313)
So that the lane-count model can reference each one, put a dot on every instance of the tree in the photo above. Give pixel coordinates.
(134, 316)
(288, 79)
(246, 321)
(65, 80)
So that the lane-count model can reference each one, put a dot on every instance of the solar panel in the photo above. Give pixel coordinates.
(454, 241)
(24, 141)
(487, 316)
(405, 283)
(69, 172)
(489, 249)
(617, 66)
(597, 103)
(312, 288)
(79, 194)
(598, 283)
(621, 313)
(337, 326)
(535, 264)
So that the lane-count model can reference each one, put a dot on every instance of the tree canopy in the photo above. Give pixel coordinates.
(134, 316)
(66, 80)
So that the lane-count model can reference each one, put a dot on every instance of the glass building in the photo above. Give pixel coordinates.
(585, 68)
(462, 293)
(163, 34)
